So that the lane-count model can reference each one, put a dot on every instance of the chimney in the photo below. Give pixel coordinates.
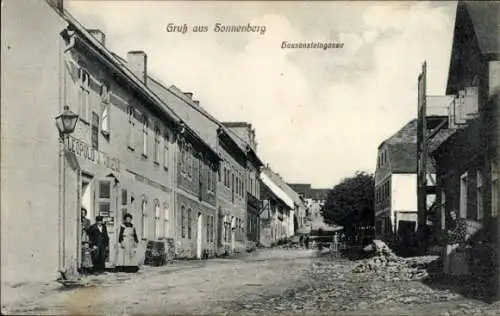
(137, 61)
(98, 35)
(188, 94)
(197, 102)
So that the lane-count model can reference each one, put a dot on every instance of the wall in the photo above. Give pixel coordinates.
(31, 98)
(404, 192)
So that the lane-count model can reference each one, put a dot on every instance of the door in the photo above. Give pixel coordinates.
(106, 200)
(199, 235)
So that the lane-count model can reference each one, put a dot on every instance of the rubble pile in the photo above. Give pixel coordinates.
(387, 265)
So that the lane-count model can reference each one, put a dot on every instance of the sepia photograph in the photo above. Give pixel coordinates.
(250, 157)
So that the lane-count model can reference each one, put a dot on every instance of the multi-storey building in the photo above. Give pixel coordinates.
(126, 154)
(278, 208)
(244, 134)
(230, 205)
(396, 177)
(467, 160)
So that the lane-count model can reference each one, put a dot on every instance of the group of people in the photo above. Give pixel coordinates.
(95, 245)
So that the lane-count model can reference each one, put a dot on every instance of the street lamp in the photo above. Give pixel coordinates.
(66, 121)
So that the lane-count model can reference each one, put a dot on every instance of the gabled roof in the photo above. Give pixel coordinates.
(402, 148)
(179, 101)
(270, 182)
(485, 16)
(276, 178)
(477, 30)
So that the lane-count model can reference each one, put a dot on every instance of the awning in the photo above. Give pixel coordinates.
(277, 190)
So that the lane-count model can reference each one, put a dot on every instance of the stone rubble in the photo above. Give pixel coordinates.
(387, 265)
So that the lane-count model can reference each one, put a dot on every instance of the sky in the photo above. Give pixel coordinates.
(319, 114)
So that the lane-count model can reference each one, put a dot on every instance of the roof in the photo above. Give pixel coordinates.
(123, 71)
(477, 29)
(402, 147)
(403, 157)
(441, 137)
(276, 178)
(271, 183)
(236, 124)
(485, 16)
(308, 192)
(181, 103)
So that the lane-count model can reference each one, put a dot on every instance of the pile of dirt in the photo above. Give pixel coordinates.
(388, 266)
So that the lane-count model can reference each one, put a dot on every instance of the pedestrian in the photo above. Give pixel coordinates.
(86, 251)
(127, 238)
(307, 242)
(99, 242)
(456, 236)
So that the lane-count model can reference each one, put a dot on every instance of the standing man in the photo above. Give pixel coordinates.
(99, 241)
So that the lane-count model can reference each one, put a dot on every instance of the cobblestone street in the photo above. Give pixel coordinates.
(266, 282)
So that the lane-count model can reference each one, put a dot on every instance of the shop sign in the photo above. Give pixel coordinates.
(83, 150)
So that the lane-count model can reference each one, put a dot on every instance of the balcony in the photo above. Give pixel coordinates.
(464, 108)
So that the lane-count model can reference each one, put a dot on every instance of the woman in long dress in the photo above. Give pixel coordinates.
(127, 238)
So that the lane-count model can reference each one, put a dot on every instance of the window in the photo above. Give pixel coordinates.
(157, 144)
(190, 162)
(157, 220)
(189, 223)
(124, 200)
(165, 220)
(479, 195)
(131, 127)
(145, 136)
(83, 94)
(165, 150)
(94, 131)
(105, 109)
(144, 215)
(443, 209)
(104, 201)
(207, 227)
(463, 196)
(212, 228)
(183, 221)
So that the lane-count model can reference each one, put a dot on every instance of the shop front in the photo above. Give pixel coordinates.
(91, 181)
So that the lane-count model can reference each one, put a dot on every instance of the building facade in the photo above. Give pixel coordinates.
(278, 209)
(396, 206)
(245, 135)
(238, 159)
(468, 159)
(130, 153)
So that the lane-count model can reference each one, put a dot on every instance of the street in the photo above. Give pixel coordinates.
(273, 281)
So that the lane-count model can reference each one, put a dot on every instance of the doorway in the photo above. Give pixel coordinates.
(199, 235)
(233, 234)
(88, 197)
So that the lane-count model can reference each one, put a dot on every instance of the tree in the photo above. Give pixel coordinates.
(351, 203)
